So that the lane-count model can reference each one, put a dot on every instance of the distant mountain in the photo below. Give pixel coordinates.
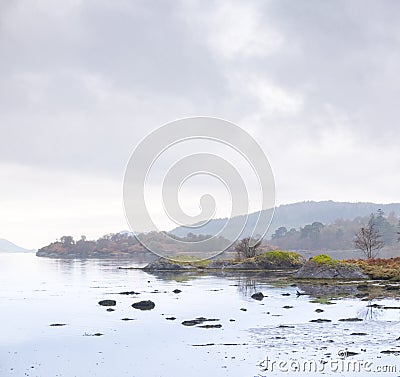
(294, 215)
(9, 247)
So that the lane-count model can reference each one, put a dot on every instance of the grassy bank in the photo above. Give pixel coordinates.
(379, 268)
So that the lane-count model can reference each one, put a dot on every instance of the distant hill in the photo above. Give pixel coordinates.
(9, 247)
(295, 215)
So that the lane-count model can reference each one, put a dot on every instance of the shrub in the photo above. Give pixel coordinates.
(323, 259)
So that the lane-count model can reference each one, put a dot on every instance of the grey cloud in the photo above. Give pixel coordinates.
(344, 54)
(83, 82)
(147, 64)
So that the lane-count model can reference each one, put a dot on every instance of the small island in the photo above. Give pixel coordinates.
(247, 254)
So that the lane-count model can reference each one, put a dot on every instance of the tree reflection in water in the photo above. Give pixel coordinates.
(247, 285)
(371, 312)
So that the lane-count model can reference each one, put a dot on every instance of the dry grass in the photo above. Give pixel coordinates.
(379, 268)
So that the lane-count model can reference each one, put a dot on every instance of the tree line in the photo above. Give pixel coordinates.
(377, 230)
(127, 243)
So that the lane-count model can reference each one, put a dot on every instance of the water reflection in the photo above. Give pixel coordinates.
(371, 312)
(73, 288)
(247, 285)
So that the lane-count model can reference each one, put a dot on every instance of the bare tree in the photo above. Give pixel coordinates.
(247, 248)
(368, 239)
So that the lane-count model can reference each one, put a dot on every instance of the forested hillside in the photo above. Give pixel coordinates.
(338, 235)
(296, 215)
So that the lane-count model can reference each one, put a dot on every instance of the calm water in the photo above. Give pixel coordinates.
(37, 292)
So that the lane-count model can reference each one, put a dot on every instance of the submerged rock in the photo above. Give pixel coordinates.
(218, 326)
(107, 303)
(323, 291)
(257, 296)
(320, 320)
(144, 305)
(129, 293)
(191, 322)
(198, 321)
(391, 352)
(203, 345)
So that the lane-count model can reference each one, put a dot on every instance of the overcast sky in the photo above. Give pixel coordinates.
(82, 82)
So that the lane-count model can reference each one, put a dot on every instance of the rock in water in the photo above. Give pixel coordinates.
(320, 320)
(198, 321)
(144, 305)
(314, 270)
(107, 303)
(163, 264)
(129, 293)
(257, 296)
(218, 326)
(191, 322)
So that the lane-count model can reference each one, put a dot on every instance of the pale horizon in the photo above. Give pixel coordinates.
(95, 235)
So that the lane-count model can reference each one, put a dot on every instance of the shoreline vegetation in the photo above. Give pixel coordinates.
(375, 234)
(247, 254)
(322, 266)
(125, 244)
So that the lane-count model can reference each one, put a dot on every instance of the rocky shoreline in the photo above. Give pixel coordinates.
(313, 269)
(320, 267)
(268, 261)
